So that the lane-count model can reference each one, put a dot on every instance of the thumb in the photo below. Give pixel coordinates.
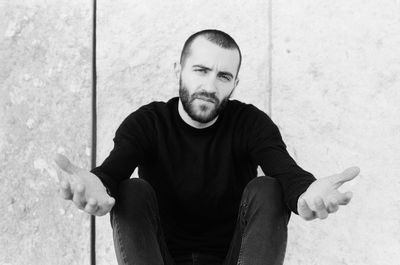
(347, 175)
(63, 162)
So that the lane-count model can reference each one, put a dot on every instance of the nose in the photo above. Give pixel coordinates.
(210, 84)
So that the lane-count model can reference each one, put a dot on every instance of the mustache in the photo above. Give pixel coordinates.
(206, 96)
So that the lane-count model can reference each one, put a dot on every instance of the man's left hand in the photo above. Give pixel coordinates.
(322, 196)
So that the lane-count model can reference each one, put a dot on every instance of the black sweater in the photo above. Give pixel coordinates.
(199, 174)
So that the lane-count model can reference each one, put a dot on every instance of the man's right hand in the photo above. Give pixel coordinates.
(84, 188)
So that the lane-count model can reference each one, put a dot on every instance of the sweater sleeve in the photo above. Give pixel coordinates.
(268, 150)
(132, 142)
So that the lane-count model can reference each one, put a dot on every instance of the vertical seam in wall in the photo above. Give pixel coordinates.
(270, 46)
(94, 130)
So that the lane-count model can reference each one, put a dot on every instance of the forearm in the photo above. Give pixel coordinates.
(294, 183)
(109, 183)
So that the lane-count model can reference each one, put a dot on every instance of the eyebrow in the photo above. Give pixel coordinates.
(209, 69)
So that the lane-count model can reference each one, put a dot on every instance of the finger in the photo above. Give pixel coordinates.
(111, 201)
(320, 208)
(345, 198)
(63, 162)
(106, 208)
(304, 211)
(109, 204)
(91, 206)
(332, 206)
(65, 190)
(101, 211)
(79, 196)
(347, 175)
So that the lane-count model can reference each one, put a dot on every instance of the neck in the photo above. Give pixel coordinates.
(186, 118)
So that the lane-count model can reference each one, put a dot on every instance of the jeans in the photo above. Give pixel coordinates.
(259, 238)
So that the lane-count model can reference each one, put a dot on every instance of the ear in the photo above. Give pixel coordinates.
(236, 82)
(234, 87)
(177, 69)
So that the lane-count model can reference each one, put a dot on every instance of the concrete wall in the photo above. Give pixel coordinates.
(335, 94)
(45, 95)
(333, 89)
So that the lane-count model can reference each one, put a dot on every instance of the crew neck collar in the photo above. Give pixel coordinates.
(182, 124)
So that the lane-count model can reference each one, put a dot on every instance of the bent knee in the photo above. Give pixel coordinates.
(135, 190)
(266, 191)
(267, 188)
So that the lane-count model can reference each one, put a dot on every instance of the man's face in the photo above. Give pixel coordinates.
(207, 79)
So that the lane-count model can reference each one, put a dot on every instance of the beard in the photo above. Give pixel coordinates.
(204, 113)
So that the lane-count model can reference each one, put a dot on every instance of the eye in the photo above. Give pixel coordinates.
(225, 78)
(202, 70)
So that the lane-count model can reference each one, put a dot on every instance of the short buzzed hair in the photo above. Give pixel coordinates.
(215, 36)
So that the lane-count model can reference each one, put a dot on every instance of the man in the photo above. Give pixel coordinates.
(198, 199)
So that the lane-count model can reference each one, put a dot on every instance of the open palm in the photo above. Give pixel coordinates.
(323, 196)
(84, 188)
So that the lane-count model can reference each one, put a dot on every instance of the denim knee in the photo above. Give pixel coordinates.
(265, 193)
(136, 193)
(136, 187)
(136, 199)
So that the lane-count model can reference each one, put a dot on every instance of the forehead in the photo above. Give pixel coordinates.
(204, 52)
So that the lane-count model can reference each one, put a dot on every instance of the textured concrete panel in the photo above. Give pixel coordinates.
(335, 95)
(45, 85)
(138, 43)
